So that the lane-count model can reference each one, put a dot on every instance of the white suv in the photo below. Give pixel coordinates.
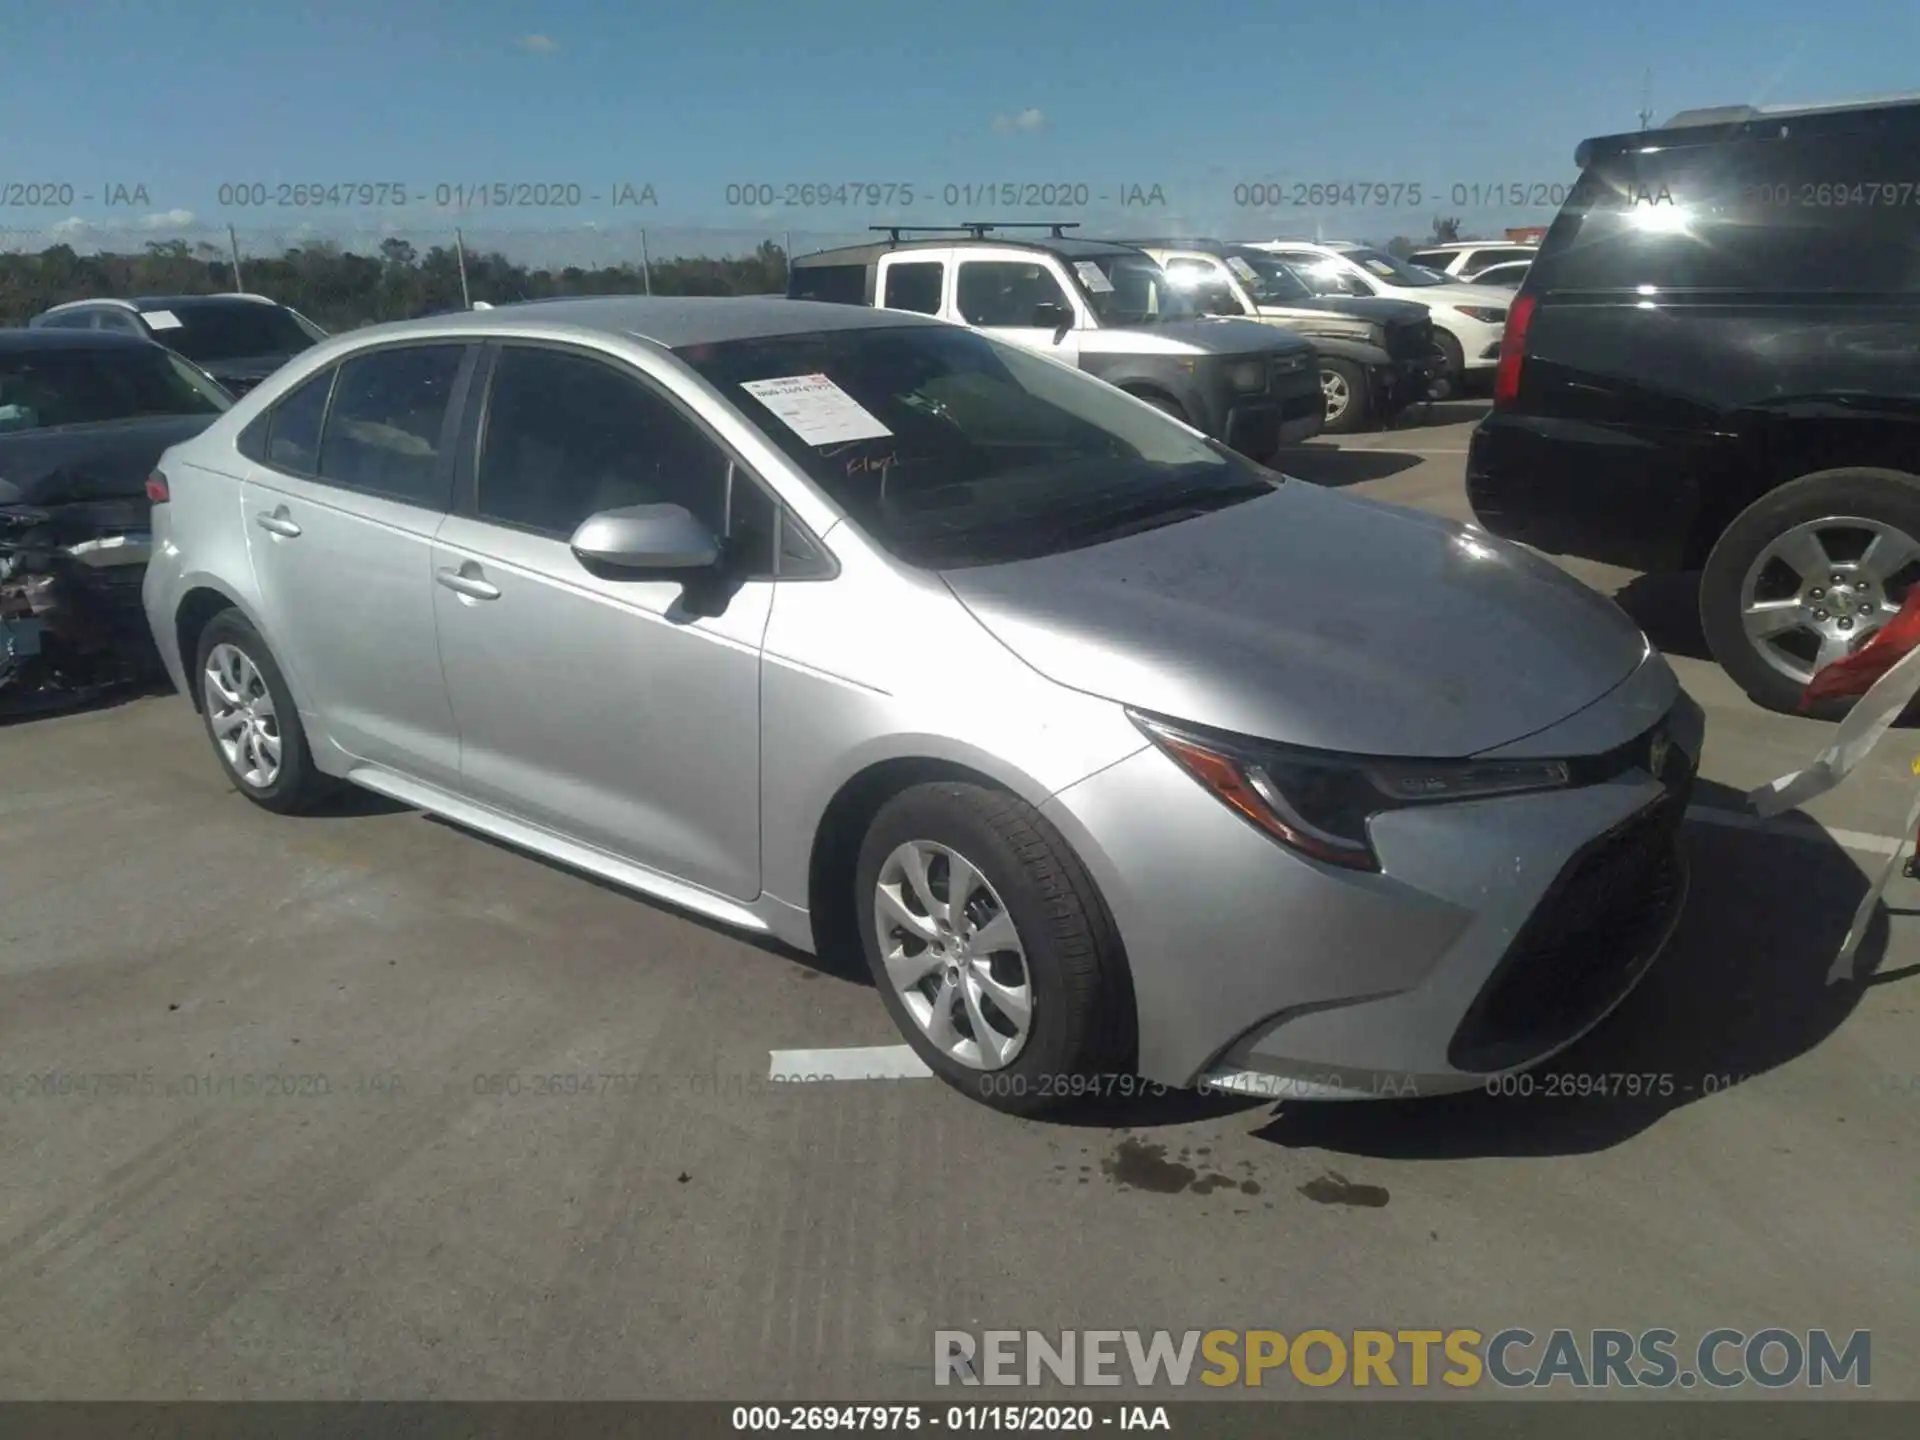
(1465, 259)
(1467, 319)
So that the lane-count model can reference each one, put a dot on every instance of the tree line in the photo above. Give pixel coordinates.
(339, 289)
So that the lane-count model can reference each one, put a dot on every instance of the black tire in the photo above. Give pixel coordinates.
(1081, 1026)
(299, 784)
(1450, 383)
(1359, 412)
(1889, 496)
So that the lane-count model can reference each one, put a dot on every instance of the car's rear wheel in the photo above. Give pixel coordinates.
(991, 947)
(251, 719)
(1450, 382)
(1349, 405)
(1804, 575)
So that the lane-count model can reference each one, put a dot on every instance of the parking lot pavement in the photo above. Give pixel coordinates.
(363, 1105)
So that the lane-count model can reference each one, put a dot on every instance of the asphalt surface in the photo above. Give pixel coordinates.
(440, 1223)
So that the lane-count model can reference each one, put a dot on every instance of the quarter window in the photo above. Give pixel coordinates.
(293, 427)
(915, 286)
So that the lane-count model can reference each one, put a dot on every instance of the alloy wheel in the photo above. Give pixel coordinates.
(953, 954)
(1339, 394)
(241, 715)
(1816, 592)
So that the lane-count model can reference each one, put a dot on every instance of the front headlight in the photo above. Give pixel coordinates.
(1485, 314)
(1320, 803)
(1249, 377)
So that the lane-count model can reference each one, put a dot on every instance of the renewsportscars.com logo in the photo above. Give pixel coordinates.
(1513, 1358)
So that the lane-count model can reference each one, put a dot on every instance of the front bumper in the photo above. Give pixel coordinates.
(1258, 971)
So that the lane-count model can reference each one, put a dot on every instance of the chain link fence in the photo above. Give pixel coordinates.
(351, 273)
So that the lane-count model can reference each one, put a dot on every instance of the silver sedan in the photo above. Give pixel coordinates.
(1114, 752)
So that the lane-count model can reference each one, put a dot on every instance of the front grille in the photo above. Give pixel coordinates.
(1588, 941)
(1411, 341)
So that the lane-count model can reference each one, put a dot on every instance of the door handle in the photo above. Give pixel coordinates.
(277, 523)
(472, 586)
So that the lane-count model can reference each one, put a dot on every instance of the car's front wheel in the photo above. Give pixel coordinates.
(991, 947)
(251, 719)
(1349, 406)
(1804, 575)
(1449, 380)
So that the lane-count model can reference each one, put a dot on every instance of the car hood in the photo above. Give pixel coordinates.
(1379, 311)
(1464, 294)
(1316, 619)
(89, 462)
(1205, 336)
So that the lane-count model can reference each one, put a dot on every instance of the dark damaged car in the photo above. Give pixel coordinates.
(84, 419)
(237, 339)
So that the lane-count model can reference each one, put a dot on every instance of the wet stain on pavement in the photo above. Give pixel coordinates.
(1334, 1188)
(1143, 1165)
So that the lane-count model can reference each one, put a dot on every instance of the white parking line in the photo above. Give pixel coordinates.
(861, 1062)
(899, 1062)
(1802, 829)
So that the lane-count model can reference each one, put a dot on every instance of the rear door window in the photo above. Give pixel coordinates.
(914, 285)
(384, 429)
(1820, 213)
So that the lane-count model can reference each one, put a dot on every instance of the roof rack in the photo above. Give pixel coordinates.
(980, 227)
(894, 232)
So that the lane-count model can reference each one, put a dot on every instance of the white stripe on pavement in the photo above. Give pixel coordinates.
(862, 1062)
(1803, 829)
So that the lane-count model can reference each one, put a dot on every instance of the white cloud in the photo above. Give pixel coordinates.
(1027, 121)
(72, 225)
(537, 44)
(168, 220)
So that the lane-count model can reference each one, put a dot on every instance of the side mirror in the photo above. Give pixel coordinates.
(1052, 315)
(647, 537)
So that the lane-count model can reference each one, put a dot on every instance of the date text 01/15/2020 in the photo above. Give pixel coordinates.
(874, 194)
(1389, 194)
(1031, 1418)
(58, 194)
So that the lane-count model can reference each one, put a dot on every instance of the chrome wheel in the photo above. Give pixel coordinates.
(1817, 591)
(240, 713)
(952, 952)
(1339, 394)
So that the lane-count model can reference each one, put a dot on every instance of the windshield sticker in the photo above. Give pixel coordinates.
(161, 320)
(1093, 277)
(816, 409)
(1380, 267)
(1240, 267)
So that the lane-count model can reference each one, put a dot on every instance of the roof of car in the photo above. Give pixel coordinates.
(145, 303)
(1835, 117)
(672, 321)
(15, 339)
(1066, 247)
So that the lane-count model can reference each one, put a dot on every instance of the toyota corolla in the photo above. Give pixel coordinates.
(1114, 752)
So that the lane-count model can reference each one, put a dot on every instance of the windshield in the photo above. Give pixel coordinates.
(1394, 272)
(44, 389)
(1127, 289)
(232, 330)
(1268, 280)
(951, 449)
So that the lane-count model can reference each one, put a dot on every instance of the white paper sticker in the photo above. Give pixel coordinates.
(1240, 267)
(1093, 277)
(816, 409)
(161, 319)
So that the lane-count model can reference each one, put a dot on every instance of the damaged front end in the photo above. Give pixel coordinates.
(71, 621)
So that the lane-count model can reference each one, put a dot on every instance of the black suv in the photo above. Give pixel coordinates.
(1715, 362)
(238, 339)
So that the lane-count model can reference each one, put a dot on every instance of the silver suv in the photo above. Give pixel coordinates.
(861, 629)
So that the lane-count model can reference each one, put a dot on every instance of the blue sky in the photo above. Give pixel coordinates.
(183, 96)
